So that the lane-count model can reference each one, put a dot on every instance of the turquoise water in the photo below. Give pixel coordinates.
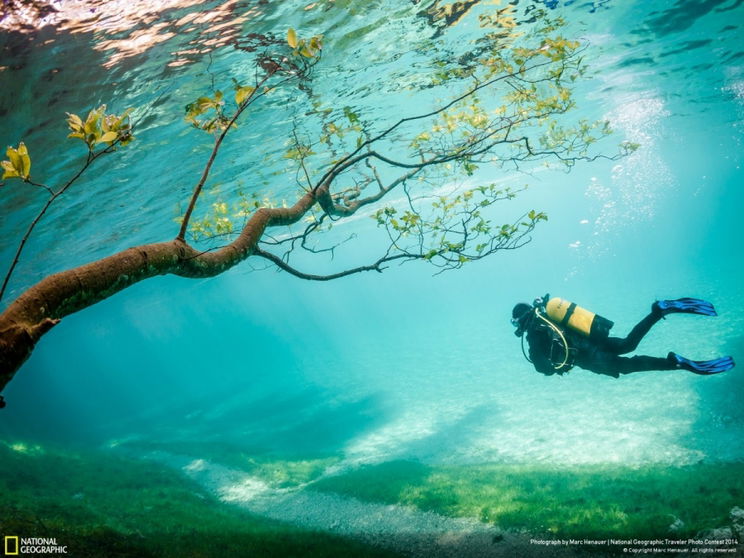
(404, 365)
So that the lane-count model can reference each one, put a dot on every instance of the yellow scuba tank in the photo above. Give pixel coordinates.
(578, 319)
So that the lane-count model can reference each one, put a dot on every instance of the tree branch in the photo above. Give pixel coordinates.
(90, 158)
(280, 263)
(351, 158)
(218, 142)
(449, 233)
(43, 305)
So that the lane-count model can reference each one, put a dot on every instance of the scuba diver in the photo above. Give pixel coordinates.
(562, 335)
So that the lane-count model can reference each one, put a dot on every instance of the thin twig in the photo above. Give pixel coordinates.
(90, 158)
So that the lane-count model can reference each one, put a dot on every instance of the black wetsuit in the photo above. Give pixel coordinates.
(600, 356)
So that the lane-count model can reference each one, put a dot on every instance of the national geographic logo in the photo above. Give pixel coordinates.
(11, 546)
(15, 546)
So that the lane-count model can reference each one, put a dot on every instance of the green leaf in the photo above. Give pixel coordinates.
(109, 137)
(74, 122)
(25, 168)
(351, 115)
(198, 107)
(10, 171)
(15, 158)
(19, 163)
(292, 38)
(242, 93)
(91, 126)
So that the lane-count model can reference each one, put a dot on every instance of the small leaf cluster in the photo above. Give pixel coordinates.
(97, 128)
(218, 222)
(208, 113)
(337, 130)
(536, 103)
(18, 164)
(226, 219)
(298, 151)
(454, 229)
(628, 147)
(100, 127)
(243, 93)
(467, 118)
(574, 141)
(309, 48)
(554, 48)
(212, 108)
(444, 72)
(519, 54)
(459, 131)
(340, 129)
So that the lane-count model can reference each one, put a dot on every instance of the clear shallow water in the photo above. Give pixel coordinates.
(401, 365)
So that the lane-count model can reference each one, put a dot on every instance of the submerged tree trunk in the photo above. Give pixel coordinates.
(43, 305)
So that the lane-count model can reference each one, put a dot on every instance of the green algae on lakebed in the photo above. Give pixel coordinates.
(100, 504)
(568, 502)
(279, 470)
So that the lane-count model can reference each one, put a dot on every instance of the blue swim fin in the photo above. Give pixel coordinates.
(686, 306)
(703, 367)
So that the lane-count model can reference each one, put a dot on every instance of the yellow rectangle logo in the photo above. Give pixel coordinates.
(11, 546)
